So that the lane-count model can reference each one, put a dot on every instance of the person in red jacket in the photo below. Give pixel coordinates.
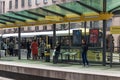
(34, 48)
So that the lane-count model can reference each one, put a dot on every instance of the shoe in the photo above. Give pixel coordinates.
(87, 65)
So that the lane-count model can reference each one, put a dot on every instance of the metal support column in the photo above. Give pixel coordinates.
(85, 25)
(104, 34)
(69, 37)
(111, 51)
(91, 24)
(69, 41)
(104, 42)
(19, 42)
(54, 35)
(0, 45)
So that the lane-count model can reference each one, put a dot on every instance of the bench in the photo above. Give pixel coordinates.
(68, 54)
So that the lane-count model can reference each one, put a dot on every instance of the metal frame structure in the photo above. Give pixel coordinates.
(98, 10)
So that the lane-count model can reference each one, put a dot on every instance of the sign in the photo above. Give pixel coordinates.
(77, 37)
(94, 34)
(23, 53)
(115, 29)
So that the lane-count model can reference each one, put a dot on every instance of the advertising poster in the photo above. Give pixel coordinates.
(77, 37)
(94, 34)
(23, 53)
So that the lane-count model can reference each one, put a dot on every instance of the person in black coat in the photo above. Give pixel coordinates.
(28, 50)
(84, 53)
(57, 52)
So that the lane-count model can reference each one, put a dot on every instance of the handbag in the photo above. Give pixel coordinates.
(54, 52)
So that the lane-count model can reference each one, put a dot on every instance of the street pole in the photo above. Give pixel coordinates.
(19, 43)
(54, 35)
(85, 25)
(104, 34)
(111, 50)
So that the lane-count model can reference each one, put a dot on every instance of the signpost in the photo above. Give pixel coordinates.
(115, 29)
(94, 34)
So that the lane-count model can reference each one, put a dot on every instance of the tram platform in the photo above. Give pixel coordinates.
(60, 71)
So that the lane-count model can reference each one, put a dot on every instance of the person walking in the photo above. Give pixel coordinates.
(84, 53)
(34, 48)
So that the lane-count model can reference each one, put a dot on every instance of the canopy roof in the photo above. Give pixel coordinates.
(79, 10)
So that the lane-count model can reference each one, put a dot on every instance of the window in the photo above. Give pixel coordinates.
(3, 6)
(36, 28)
(23, 3)
(41, 28)
(9, 30)
(44, 28)
(29, 2)
(10, 4)
(37, 2)
(45, 1)
(54, 1)
(25, 28)
(31, 28)
(22, 29)
(0, 7)
(49, 28)
(3, 32)
(15, 30)
(63, 0)
(16, 3)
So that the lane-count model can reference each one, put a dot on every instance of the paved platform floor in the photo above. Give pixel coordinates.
(3, 78)
(93, 69)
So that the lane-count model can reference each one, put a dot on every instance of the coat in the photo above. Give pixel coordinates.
(34, 48)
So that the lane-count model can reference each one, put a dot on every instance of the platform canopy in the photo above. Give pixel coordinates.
(78, 10)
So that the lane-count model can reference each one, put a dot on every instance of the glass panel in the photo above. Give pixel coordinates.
(2, 21)
(15, 16)
(78, 8)
(28, 14)
(40, 11)
(112, 4)
(57, 9)
(5, 18)
(98, 4)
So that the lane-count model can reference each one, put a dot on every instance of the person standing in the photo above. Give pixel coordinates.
(5, 47)
(34, 48)
(16, 48)
(28, 50)
(84, 52)
(57, 52)
(11, 48)
(42, 49)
